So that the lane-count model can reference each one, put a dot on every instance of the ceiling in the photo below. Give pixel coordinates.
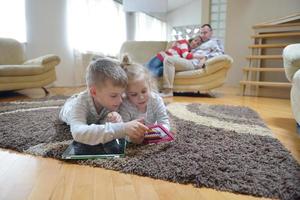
(166, 5)
(173, 4)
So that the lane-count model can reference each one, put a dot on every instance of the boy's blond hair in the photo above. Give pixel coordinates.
(135, 71)
(103, 69)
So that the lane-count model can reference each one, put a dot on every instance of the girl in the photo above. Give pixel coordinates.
(180, 48)
(142, 101)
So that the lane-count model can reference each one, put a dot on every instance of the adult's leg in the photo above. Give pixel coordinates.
(171, 66)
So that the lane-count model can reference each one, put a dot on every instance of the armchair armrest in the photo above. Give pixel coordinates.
(42, 60)
(291, 60)
(218, 62)
(21, 70)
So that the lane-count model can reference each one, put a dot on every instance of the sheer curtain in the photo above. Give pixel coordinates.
(94, 27)
(12, 19)
(149, 28)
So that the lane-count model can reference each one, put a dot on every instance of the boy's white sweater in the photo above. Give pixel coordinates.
(87, 125)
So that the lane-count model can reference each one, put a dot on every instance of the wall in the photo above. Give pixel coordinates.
(241, 15)
(189, 14)
(47, 33)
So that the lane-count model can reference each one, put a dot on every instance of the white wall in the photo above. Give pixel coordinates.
(241, 16)
(47, 33)
(189, 14)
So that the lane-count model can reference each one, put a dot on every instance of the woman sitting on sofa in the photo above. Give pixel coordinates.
(180, 48)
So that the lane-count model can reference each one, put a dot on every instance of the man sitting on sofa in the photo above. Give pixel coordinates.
(210, 47)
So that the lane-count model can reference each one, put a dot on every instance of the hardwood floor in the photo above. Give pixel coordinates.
(29, 177)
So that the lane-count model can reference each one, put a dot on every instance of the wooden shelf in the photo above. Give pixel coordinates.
(273, 35)
(258, 57)
(265, 59)
(262, 46)
(275, 25)
(267, 84)
(264, 69)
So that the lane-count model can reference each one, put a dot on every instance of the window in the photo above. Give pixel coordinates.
(12, 19)
(96, 26)
(218, 18)
(185, 32)
(149, 28)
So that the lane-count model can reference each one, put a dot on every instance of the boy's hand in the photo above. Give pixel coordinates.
(114, 117)
(135, 130)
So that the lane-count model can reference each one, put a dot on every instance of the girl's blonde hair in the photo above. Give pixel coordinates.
(135, 71)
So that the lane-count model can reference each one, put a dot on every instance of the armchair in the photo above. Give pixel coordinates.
(291, 61)
(16, 73)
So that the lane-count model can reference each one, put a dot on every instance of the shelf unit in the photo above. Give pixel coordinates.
(268, 38)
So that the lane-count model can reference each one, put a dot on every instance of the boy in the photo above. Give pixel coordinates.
(86, 112)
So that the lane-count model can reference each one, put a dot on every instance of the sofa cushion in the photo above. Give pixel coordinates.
(11, 52)
(142, 51)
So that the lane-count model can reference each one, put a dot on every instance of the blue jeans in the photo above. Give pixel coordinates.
(155, 66)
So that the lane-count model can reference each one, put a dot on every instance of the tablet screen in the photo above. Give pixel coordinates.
(76, 150)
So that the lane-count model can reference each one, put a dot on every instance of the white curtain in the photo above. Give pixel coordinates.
(148, 28)
(96, 26)
(12, 19)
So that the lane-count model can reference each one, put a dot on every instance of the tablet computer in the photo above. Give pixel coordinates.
(113, 149)
(157, 134)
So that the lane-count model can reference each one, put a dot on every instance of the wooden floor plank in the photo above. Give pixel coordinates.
(7, 159)
(123, 186)
(64, 188)
(83, 186)
(167, 190)
(46, 180)
(19, 175)
(188, 192)
(103, 185)
(144, 188)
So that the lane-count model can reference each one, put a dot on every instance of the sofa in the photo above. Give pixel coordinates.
(17, 73)
(201, 80)
(291, 61)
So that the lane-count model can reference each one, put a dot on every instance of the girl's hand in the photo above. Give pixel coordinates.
(135, 130)
(114, 117)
